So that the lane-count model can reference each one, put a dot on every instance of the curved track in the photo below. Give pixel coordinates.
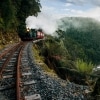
(22, 79)
(10, 72)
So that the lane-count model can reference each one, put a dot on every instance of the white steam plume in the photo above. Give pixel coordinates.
(43, 21)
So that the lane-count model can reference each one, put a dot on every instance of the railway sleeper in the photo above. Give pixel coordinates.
(1, 62)
(25, 64)
(7, 87)
(8, 70)
(25, 74)
(13, 58)
(33, 97)
(29, 82)
(25, 69)
(7, 76)
(4, 59)
(12, 61)
(24, 60)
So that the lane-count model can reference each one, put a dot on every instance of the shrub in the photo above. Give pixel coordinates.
(84, 67)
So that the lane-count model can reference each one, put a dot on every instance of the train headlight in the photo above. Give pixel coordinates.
(28, 29)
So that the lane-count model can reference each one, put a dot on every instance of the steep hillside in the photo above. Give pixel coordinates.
(81, 38)
(75, 51)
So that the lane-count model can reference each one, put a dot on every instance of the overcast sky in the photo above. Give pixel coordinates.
(62, 8)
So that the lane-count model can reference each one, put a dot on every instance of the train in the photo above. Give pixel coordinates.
(33, 34)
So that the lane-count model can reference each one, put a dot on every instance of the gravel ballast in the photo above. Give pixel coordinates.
(51, 88)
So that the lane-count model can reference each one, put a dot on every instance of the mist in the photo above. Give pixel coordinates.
(47, 23)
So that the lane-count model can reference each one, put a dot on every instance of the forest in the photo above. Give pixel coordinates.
(13, 14)
(82, 38)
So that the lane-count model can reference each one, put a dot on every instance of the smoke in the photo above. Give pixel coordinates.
(47, 23)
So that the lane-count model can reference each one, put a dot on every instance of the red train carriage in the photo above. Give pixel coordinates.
(40, 35)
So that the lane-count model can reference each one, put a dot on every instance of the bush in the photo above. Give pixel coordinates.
(83, 67)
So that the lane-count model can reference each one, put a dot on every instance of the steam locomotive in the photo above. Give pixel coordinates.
(33, 34)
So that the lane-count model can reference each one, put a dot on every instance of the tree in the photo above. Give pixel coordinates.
(13, 14)
(24, 9)
(8, 13)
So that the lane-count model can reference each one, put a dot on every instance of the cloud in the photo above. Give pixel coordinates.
(53, 12)
(69, 8)
(76, 2)
(47, 19)
(55, 0)
(94, 13)
(68, 4)
(46, 9)
(96, 2)
(82, 2)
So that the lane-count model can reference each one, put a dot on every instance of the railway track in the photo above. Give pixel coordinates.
(22, 79)
(16, 82)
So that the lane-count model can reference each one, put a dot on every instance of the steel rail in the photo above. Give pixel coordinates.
(7, 60)
(18, 76)
(5, 52)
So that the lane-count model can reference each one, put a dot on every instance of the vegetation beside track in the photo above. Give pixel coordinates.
(74, 52)
(40, 60)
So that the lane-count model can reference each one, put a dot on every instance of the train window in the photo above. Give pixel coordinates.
(38, 33)
(42, 34)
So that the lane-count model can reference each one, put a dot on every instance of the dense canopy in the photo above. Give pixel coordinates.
(13, 14)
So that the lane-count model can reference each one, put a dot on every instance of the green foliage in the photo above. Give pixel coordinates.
(56, 47)
(27, 7)
(81, 37)
(55, 50)
(83, 67)
(13, 14)
(1, 24)
(8, 12)
(24, 9)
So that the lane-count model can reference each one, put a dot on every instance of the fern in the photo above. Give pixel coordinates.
(84, 67)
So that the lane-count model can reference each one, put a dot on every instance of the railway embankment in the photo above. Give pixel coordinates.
(44, 86)
(55, 88)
